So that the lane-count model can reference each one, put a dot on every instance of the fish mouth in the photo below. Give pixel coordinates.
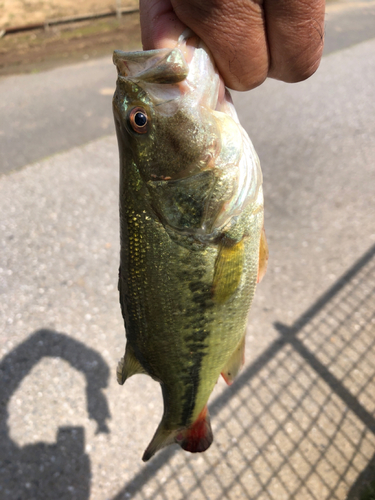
(161, 66)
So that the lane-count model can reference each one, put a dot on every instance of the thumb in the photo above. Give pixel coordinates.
(160, 27)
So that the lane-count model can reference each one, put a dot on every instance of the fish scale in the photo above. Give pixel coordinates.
(190, 236)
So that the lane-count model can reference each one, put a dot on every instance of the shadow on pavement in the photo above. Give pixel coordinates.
(362, 485)
(60, 470)
(299, 422)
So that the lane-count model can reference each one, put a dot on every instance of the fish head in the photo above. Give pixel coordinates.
(164, 123)
(177, 127)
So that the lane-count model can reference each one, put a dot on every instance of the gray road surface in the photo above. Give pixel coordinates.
(300, 421)
(53, 111)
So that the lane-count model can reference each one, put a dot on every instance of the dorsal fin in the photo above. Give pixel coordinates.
(128, 366)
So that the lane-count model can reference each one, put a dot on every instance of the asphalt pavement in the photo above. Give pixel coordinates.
(49, 112)
(299, 423)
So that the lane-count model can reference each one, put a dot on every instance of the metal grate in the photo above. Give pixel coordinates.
(299, 422)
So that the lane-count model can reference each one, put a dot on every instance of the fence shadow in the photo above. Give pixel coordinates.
(299, 422)
(60, 470)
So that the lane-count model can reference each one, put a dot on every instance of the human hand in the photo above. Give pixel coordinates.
(249, 39)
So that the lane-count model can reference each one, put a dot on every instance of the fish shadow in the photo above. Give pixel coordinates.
(62, 469)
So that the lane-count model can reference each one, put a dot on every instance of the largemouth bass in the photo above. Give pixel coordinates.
(192, 239)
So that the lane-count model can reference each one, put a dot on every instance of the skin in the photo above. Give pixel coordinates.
(250, 40)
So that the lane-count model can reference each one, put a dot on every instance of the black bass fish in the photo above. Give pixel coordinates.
(192, 239)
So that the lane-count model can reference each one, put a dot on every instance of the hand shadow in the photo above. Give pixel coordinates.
(60, 470)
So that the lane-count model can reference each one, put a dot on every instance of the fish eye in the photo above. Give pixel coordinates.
(138, 120)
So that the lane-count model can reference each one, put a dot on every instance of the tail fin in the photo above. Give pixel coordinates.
(196, 438)
(161, 439)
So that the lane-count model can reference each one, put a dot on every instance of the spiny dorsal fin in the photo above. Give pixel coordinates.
(228, 270)
(235, 363)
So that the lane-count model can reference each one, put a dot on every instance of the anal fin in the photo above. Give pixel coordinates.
(235, 363)
(128, 366)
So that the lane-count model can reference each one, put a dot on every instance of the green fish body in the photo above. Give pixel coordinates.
(192, 240)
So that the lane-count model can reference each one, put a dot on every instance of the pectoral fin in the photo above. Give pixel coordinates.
(263, 256)
(128, 366)
(228, 270)
(235, 363)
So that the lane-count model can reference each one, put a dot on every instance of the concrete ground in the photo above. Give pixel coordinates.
(299, 423)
